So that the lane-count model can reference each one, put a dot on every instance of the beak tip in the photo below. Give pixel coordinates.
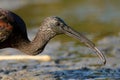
(104, 62)
(101, 55)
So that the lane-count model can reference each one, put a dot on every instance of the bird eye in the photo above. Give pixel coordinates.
(57, 24)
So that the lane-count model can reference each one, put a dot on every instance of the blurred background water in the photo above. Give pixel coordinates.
(98, 17)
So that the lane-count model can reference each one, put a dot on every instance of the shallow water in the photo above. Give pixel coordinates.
(98, 20)
(69, 62)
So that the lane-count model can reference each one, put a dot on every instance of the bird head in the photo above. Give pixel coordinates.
(58, 26)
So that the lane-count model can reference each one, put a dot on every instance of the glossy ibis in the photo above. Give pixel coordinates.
(13, 34)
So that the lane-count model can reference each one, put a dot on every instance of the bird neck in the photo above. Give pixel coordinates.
(38, 44)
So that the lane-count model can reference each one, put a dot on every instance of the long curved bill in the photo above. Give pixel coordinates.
(70, 32)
